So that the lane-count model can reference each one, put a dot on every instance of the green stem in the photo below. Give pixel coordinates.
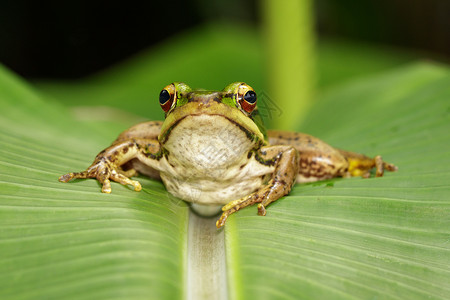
(290, 59)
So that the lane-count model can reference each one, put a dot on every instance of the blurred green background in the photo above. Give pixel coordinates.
(73, 39)
(120, 55)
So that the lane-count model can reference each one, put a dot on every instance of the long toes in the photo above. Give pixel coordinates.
(379, 166)
(106, 188)
(231, 204)
(125, 181)
(367, 175)
(137, 186)
(222, 219)
(69, 176)
(390, 167)
(66, 177)
(261, 210)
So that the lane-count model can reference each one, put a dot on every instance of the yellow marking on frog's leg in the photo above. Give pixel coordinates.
(360, 165)
(107, 164)
(285, 159)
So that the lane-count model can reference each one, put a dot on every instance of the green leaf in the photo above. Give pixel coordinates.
(69, 241)
(355, 238)
(378, 238)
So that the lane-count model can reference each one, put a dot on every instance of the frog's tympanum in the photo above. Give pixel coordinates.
(212, 150)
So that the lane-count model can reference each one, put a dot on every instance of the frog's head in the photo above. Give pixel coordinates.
(236, 103)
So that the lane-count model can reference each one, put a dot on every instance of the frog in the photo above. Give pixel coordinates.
(213, 151)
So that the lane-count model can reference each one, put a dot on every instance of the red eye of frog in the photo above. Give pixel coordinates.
(167, 97)
(246, 97)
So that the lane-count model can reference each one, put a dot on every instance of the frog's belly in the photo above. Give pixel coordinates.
(210, 192)
(220, 186)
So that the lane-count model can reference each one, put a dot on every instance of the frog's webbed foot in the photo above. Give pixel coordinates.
(285, 159)
(103, 170)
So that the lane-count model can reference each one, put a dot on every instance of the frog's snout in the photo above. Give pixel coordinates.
(206, 99)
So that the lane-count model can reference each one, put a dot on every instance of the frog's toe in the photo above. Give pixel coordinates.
(222, 219)
(69, 176)
(106, 188)
(367, 174)
(261, 209)
(390, 167)
(381, 166)
(234, 203)
(137, 186)
(66, 177)
(228, 210)
(122, 179)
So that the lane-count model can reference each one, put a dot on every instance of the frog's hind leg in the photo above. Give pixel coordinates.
(318, 160)
(360, 165)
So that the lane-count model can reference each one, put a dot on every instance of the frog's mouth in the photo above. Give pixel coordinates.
(214, 109)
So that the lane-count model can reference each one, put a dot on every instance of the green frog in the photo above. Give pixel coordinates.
(212, 150)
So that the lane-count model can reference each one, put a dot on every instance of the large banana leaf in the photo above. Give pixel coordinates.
(380, 238)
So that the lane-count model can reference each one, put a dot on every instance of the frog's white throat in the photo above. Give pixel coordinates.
(207, 142)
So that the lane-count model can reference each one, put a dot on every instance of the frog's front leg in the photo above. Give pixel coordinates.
(285, 160)
(107, 164)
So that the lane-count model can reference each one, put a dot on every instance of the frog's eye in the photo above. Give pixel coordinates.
(167, 97)
(246, 97)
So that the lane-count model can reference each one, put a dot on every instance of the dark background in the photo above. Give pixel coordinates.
(72, 39)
